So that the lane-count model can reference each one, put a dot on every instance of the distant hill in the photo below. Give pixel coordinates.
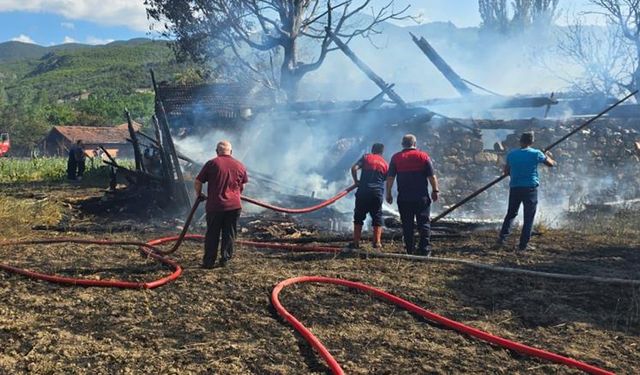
(69, 69)
(12, 51)
(16, 51)
(78, 84)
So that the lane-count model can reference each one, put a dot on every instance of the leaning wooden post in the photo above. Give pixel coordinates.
(442, 66)
(137, 154)
(385, 87)
(167, 173)
(171, 150)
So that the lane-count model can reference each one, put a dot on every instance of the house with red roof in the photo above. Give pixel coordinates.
(113, 138)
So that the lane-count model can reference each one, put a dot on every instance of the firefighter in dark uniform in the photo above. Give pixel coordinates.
(369, 194)
(414, 171)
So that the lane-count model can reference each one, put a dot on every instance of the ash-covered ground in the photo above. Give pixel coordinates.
(221, 320)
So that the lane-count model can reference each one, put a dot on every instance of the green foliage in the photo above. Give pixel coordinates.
(80, 85)
(191, 76)
(13, 170)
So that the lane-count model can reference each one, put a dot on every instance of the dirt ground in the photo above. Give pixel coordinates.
(221, 320)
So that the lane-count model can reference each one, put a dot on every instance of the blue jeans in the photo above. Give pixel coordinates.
(529, 199)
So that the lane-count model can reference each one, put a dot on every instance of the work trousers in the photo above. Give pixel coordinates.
(81, 168)
(410, 213)
(72, 165)
(368, 204)
(220, 224)
(528, 197)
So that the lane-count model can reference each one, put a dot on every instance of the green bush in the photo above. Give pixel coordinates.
(16, 170)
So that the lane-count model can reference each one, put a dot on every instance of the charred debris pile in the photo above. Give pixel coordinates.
(599, 165)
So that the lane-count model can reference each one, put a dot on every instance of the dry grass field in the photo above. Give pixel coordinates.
(221, 320)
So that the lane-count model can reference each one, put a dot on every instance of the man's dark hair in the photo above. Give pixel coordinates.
(377, 148)
(526, 139)
(79, 141)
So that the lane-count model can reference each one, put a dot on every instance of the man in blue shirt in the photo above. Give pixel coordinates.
(522, 167)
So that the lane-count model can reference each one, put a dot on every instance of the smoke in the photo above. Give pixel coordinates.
(524, 63)
(281, 149)
(310, 153)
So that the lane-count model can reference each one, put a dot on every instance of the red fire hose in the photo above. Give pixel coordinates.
(323, 204)
(152, 251)
(301, 210)
(452, 324)
(146, 248)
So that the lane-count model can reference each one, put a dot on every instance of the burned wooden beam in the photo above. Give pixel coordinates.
(385, 87)
(135, 174)
(181, 189)
(113, 160)
(444, 68)
(492, 102)
(137, 154)
(167, 171)
(148, 138)
(526, 102)
(156, 145)
(374, 102)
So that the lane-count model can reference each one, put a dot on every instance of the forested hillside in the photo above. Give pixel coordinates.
(74, 84)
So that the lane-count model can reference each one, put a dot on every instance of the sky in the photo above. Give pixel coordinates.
(52, 22)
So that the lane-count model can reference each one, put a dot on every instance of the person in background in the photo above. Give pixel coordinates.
(522, 168)
(72, 165)
(369, 194)
(414, 171)
(80, 157)
(225, 178)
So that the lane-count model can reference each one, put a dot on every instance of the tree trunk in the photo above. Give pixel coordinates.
(289, 75)
(635, 84)
(289, 82)
(635, 81)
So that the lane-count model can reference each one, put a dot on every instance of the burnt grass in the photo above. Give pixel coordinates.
(221, 320)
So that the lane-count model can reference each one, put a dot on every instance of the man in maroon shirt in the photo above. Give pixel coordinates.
(225, 178)
(414, 171)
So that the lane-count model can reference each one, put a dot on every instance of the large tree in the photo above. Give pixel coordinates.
(625, 16)
(602, 55)
(258, 34)
(498, 16)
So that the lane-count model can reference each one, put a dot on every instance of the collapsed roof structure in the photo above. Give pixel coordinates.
(465, 156)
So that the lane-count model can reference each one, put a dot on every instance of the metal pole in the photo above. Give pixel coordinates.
(554, 144)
